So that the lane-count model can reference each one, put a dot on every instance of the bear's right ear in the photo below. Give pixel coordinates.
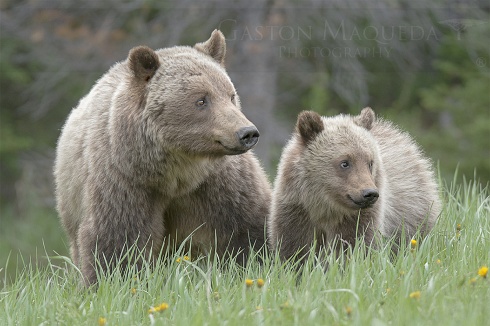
(143, 62)
(214, 47)
(365, 119)
(309, 125)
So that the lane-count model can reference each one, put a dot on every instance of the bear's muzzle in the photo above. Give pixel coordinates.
(248, 137)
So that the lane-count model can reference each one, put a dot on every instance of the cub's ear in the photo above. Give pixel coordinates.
(215, 47)
(365, 119)
(309, 125)
(143, 62)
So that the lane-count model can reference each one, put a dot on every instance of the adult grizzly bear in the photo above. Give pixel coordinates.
(342, 177)
(151, 153)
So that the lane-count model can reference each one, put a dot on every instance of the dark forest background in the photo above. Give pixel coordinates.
(424, 65)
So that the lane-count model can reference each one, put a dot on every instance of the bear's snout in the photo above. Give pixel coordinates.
(367, 198)
(370, 195)
(248, 136)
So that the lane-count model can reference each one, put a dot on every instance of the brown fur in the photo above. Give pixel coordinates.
(150, 154)
(330, 175)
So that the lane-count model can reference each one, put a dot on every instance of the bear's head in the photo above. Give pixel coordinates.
(187, 100)
(340, 159)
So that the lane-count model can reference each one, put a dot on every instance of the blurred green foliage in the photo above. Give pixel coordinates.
(460, 95)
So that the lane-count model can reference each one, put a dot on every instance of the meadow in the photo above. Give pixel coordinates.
(439, 280)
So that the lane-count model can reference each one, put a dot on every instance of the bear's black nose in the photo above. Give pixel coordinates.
(248, 136)
(370, 195)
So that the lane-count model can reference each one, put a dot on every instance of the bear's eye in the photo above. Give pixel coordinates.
(344, 164)
(371, 166)
(201, 103)
(233, 98)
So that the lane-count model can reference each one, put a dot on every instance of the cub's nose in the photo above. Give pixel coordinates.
(370, 195)
(248, 136)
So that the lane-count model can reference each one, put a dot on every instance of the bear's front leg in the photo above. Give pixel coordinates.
(286, 235)
(119, 217)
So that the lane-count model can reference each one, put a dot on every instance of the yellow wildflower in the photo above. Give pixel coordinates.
(348, 311)
(413, 243)
(102, 321)
(483, 271)
(458, 227)
(438, 262)
(415, 295)
(162, 307)
(186, 258)
(133, 291)
(388, 290)
(285, 305)
(472, 280)
(249, 282)
(260, 283)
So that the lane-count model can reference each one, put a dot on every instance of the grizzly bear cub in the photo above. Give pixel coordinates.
(346, 176)
(156, 152)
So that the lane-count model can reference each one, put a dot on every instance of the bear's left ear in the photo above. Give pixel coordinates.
(143, 62)
(365, 119)
(214, 47)
(309, 125)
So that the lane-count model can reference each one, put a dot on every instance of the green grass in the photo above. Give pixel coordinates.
(369, 289)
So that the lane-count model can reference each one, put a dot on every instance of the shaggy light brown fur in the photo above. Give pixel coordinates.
(343, 177)
(151, 154)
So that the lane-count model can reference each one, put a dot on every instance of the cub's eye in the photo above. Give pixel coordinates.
(233, 98)
(371, 166)
(201, 103)
(344, 164)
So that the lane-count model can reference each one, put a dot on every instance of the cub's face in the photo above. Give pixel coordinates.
(191, 104)
(340, 159)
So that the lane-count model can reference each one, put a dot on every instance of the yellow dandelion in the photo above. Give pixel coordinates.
(348, 311)
(133, 291)
(438, 262)
(161, 307)
(178, 260)
(458, 227)
(260, 283)
(187, 258)
(483, 271)
(472, 280)
(415, 295)
(249, 282)
(285, 305)
(102, 321)
(413, 243)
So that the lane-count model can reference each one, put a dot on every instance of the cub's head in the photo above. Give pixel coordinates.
(187, 101)
(339, 159)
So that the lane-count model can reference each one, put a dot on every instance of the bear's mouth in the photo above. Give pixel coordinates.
(233, 150)
(361, 203)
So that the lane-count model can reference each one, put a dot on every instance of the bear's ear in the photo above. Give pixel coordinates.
(214, 47)
(309, 125)
(143, 62)
(365, 119)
